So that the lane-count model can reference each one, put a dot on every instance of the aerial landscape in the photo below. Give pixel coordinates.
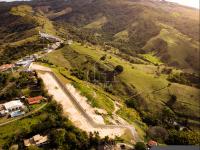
(98, 74)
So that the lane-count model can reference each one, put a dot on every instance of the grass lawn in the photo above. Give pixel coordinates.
(96, 98)
(130, 115)
(35, 106)
(56, 57)
(7, 131)
(151, 58)
(179, 46)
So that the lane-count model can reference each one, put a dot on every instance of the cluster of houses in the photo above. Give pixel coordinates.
(26, 61)
(57, 41)
(52, 47)
(16, 107)
(50, 37)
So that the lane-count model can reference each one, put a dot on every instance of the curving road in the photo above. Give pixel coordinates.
(88, 118)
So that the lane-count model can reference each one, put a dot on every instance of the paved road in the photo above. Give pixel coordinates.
(84, 113)
(81, 109)
(24, 116)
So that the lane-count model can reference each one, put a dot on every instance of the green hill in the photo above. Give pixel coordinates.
(140, 54)
(130, 25)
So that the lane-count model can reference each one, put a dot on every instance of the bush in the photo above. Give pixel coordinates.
(103, 58)
(183, 138)
(3, 78)
(158, 133)
(172, 100)
(140, 146)
(118, 69)
(132, 103)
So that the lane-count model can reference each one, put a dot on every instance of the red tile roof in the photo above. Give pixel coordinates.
(152, 143)
(6, 67)
(34, 100)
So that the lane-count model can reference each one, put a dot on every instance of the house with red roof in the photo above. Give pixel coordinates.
(152, 143)
(6, 67)
(35, 100)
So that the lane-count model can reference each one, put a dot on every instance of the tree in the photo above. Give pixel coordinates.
(118, 69)
(3, 78)
(140, 146)
(57, 137)
(172, 100)
(103, 58)
(132, 103)
(168, 116)
(158, 133)
(183, 138)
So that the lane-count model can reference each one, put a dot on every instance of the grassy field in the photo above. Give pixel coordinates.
(154, 89)
(57, 58)
(123, 35)
(147, 83)
(96, 98)
(179, 47)
(151, 58)
(6, 132)
(97, 24)
(132, 117)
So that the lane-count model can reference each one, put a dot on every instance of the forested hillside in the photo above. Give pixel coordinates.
(133, 26)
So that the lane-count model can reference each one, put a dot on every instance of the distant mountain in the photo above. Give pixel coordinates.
(168, 30)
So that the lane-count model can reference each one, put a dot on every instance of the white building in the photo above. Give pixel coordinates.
(13, 105)
(69, 42)
(49, 37)
(37, 140)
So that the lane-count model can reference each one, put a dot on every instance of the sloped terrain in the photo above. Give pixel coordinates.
(130, 25)
(138, 59)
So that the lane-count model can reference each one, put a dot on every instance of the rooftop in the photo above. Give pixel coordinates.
(6, 66)
(36, 140)
(152, 143)
(33, 100)
(13, 104)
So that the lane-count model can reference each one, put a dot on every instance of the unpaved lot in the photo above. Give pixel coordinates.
(73, 112)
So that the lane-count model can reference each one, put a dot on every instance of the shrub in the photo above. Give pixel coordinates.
(158, 133)
(140, 146)
(183, 138)
(119, 69)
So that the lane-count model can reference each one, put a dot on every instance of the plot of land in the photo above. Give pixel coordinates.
(73, 113)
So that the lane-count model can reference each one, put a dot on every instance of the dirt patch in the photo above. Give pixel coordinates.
(73, 112)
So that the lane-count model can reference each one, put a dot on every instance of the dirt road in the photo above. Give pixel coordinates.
(76, 113)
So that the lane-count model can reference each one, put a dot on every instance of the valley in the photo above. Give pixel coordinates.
(117, 73)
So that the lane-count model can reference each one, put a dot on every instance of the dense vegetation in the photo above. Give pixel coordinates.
(61, 132)
(117, 23)
(20, 84)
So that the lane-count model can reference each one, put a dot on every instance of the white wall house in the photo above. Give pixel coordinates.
(13, 105)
